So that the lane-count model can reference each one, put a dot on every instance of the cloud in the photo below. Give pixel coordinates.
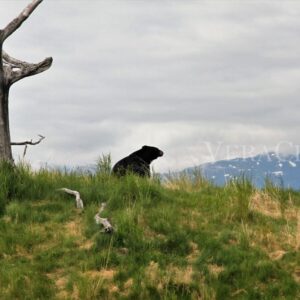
(169, 74)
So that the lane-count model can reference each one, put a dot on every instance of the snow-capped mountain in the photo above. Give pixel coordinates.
(281, 169)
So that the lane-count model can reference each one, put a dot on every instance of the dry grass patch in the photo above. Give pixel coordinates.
(23, 252)
(87, 245)
(277, 255)
(105, 274)
(75, 293)
(172, 185)
(62, 295)
(6, 219)
(181, 276)
(215, 270)
(161, 278)
(194, 253)
(239, 292)
(126, 288)
(184, 183)
(296, 275)
(190, 219)
(155, 277)
(152, 272)
(58, 273)
(266, 205)
(113, 289)
(102, 279)
(60, 282)
(128, 284)
(74, 228)
(274, 244)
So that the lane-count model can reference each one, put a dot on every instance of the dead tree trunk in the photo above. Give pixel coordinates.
(11, 71)
(5, 148)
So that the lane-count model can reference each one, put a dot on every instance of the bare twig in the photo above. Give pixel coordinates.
(79, 202)
(107, 226)
(28, 142)
(16, 63)
(17, 22)
(25, 150)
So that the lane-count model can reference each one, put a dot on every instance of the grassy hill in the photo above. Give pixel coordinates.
(178, 240)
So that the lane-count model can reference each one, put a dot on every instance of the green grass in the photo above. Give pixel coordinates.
(185, 239)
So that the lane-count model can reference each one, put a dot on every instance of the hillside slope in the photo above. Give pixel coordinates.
(180, 240)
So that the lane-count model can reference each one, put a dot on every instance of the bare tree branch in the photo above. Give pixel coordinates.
(11, 71)
(18, 21)
(29, 142)
(105, 223)
(7, 59)
(107, 227)
(16, 69)
(79, 202)
(30, 70)
(25, 151)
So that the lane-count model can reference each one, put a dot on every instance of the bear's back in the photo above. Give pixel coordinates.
(131, 164)
(137, 162)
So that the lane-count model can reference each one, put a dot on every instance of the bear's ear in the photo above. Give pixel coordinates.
(144, 147)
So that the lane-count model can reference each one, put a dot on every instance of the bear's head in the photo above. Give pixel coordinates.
(149, 153)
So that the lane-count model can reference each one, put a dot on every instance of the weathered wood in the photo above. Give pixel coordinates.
(18, 21)
(11, 71)
(28, 142)
(107, 227)
(79, 202)
(5, 147)
(105, 223)
(16, 70)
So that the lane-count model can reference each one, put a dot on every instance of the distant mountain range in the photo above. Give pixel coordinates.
(281, 169)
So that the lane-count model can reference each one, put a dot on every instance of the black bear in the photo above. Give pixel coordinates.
(137, 162)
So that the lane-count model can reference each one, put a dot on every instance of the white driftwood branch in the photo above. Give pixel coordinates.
(18, 21)
(28, 142)
(79, 202)
(107, 226)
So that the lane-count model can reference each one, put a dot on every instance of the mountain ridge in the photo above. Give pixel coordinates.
(281, 169)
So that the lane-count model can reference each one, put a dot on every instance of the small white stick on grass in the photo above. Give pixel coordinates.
(79, 202)
(107, 226)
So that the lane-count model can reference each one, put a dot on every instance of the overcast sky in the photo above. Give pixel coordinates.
(201, 80)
